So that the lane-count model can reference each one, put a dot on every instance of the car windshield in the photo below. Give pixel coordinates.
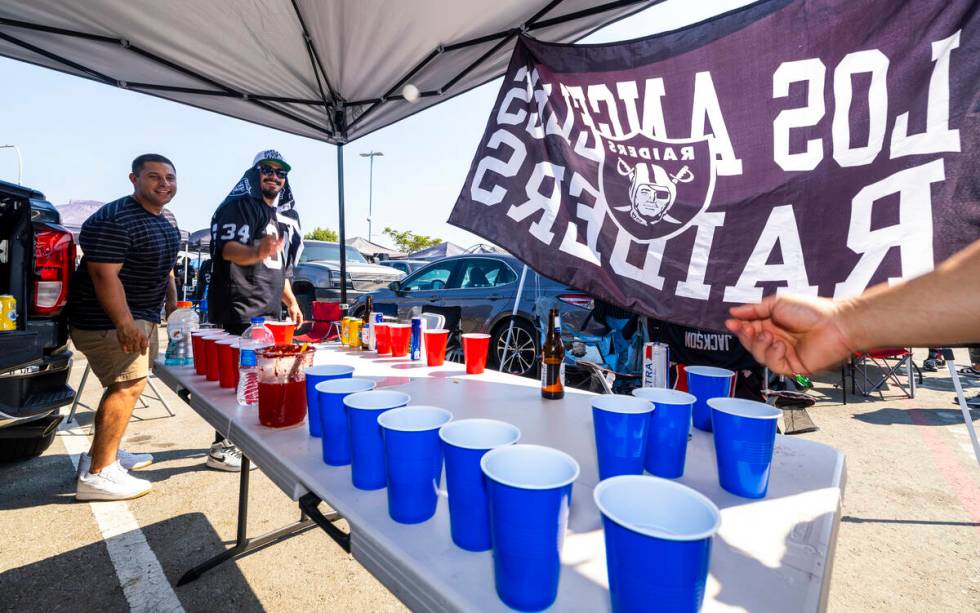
(331, 253)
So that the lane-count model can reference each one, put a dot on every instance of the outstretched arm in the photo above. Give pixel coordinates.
(798, 334)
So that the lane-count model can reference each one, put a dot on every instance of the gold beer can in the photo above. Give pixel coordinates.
(347, 337)
(355, 333)
(8, 313)
(344, 330)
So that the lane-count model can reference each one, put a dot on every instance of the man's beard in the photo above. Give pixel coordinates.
(270, 193)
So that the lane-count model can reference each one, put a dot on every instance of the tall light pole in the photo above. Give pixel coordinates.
(20, 163)
(371, 155)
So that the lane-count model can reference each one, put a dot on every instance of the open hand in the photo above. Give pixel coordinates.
(793, 334)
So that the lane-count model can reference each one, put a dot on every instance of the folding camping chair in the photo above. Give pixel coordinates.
(142, 403)
(451, 317)
(324, 325)
(434, 321)
(889, 364)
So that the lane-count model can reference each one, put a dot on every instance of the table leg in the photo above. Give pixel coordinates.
(309, 505)
(310, 518)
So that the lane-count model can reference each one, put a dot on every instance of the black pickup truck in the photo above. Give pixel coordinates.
(37, 259)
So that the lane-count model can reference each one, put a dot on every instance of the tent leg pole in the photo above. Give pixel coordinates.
(342, 232)
(187, 263)
(964, 408)
(513, 313)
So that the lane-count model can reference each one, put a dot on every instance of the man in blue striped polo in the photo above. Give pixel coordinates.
(125, 277)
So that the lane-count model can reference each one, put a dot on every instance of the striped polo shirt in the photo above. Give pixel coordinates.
(123, 232)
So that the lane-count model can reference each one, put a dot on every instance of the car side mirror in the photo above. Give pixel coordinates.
(395, 286)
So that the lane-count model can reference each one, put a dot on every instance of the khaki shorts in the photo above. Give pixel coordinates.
(107, 359)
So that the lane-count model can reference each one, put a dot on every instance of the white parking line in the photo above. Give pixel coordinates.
(140, 575)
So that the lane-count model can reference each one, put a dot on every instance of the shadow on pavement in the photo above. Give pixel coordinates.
(45, 480)
(934, 417)
(84, 579)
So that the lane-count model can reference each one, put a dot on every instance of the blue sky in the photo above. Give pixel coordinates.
(78, 138)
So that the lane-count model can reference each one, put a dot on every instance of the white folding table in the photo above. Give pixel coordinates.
(773, 554)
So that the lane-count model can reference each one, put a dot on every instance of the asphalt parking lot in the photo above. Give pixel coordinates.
(908, 539)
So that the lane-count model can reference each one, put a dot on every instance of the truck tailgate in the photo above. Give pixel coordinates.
(19, 348)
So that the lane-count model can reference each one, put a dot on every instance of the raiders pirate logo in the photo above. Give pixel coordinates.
(655, 188)
(243, 187)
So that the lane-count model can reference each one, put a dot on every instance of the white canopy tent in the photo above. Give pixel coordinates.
(331, 71)
(366, 247)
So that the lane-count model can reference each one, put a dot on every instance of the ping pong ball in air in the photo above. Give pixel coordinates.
(410, 93)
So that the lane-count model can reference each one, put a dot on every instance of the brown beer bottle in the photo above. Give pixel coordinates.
(552, 360)
(367, 323)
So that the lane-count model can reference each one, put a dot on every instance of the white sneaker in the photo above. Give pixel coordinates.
(225, 456)
(129, 461)
(112, 483)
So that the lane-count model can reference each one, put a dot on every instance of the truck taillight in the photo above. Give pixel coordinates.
(54, 261)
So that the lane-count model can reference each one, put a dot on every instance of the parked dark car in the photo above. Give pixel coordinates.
(406, 266)
(476, 293)
(37, 257)
(317, 274)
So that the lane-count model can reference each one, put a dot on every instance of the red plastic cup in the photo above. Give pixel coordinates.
(435, 346)
(282, 331)
(228, 362)
(382, 340)
(197, 347)
(475, 347)
(212, 366)
(401, 335)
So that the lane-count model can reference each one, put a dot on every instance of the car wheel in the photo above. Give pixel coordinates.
(521, 347)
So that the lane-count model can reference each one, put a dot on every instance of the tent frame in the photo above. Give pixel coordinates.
(333, 104)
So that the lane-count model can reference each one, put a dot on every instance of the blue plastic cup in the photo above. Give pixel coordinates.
(621, 424)
(413, 460)
(530, 490)
(318, 374)
(464, 444)
(745, 434)
(335, 437)
(706, 382)
(658, 543)
(670, 423)
(367, 450)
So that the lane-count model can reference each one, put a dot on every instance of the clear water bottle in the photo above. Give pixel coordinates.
(180, 324)
(254, 338)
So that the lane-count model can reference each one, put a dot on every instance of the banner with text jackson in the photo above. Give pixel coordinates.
(811, 146)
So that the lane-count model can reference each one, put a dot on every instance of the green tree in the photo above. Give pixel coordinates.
(321, 234)
(407, 241)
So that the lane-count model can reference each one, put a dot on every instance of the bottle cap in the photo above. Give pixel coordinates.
(184, 304)
(257, 320)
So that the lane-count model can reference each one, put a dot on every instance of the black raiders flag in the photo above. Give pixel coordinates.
(811, 146)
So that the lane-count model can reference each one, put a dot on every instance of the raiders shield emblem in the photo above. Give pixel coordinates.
(655, 188)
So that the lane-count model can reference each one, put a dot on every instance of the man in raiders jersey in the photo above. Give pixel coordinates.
(255, 240)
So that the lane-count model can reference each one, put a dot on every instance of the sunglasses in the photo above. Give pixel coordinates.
(269, 170)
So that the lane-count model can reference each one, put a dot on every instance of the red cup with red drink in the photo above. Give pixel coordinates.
(282, 331)
(435, 346)
(400, 337)
(228, 362)
(212, 365)
(282, 384)
(382, 339)
(197, 348)
(475, 347)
